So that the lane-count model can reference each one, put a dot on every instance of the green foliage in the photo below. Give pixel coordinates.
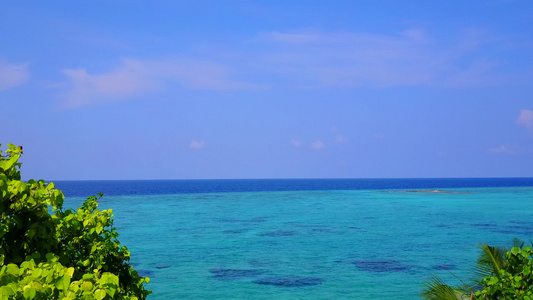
(436, 289)
(514, 280)
(47, 252)
(504, 275)
(51, 280)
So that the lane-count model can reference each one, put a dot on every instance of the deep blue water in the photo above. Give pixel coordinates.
(308, 239)
(159, 187)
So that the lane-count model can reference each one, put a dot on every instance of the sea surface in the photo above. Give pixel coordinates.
(308, 239)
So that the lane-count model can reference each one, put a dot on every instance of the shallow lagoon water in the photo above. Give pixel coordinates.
(314, 244)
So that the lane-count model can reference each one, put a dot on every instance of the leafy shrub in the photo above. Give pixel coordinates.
(504, 275)
(514, 280)
(47, 252)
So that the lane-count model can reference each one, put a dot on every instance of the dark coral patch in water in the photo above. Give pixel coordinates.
(444, 267)
(322, 230)
(290, 281)
(484, 225)
(522, 229)
(278, 233)
(162, 266)
(253, 220)
(233, 274)
(443, 226)
(145, 273)
(518, 222)
(516, 228)
(380, 266)
(236, 230)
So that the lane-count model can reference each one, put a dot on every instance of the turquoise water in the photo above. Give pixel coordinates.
(358, 244)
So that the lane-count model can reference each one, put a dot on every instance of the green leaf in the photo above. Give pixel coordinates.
(111, 291)
(99, 228)
(29, 292)
(88, 276)
(19, 186)
(28, 264)
(13, 269)
(37, 272)
(8, 164)
(51, 257)
(526, 270)
(36, 255)
(99, 294)
(62, 282)
(30, 233)
(5, 292)
(87, 286)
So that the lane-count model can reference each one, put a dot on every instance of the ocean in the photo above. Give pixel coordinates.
(308, 238)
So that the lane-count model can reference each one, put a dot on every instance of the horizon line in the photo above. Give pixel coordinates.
(294, 178)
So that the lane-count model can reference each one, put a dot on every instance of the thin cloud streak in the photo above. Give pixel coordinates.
(318, 145)
(525, 119)
(136, 78)
(351, 59)
(304, 59)
(503, 149)
(296, 143)
(13, 75)
(85, 89)
(197, 144)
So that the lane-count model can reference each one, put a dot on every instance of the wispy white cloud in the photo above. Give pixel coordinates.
(318, 145)
(502, 149)
(346, 59)
(135, 78)
(339, 138)
(305, 59)
(478, 73)
(289, 37)
(130, 81)
(197, 144)
(12, 75)
(525, 119)
(296, 143)
(352, 59)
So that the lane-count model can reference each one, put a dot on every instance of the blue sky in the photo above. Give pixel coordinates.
(268, 89)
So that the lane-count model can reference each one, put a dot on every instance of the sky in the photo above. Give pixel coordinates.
(101, 90)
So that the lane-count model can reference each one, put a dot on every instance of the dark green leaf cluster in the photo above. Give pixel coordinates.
(47, 252)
